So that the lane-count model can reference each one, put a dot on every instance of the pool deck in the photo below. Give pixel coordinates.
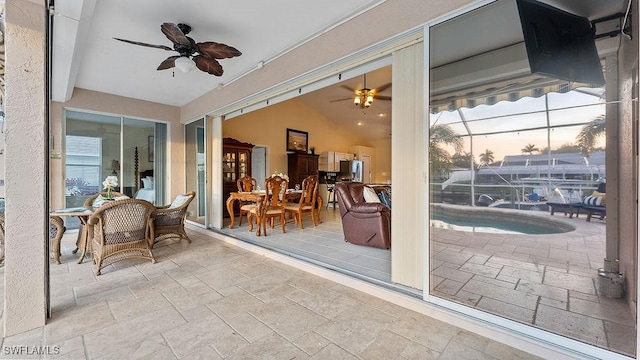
(549, 281)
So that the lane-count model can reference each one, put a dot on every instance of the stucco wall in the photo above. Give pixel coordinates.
(25, 155)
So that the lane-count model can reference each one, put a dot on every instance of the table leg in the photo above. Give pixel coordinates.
(230, 209)
(83, 238)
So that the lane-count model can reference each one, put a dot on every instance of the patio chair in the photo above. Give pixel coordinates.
(307, 201)
(122, 229)
(169, 222)
(56, 230)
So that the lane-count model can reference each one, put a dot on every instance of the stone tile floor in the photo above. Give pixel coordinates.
(549, 281)
(212, 300)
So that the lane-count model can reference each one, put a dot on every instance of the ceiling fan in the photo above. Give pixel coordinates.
(365, 96)
(202, 55)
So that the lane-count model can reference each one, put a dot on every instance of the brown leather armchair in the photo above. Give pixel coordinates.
(363, 223)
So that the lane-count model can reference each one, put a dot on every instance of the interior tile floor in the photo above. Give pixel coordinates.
(213, 300)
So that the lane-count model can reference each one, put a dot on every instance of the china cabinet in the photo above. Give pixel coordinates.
(236, 163)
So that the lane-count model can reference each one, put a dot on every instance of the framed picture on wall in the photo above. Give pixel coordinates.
(297, 140)
(151, 148)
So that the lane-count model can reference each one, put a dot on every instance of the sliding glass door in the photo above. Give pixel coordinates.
(195, 170)
(98, 145)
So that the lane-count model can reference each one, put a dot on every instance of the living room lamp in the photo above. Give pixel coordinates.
(115, 166)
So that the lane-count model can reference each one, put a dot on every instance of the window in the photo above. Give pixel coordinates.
(82, 167)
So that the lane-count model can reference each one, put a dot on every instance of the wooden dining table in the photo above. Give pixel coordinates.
(258, 195)
(83, 233)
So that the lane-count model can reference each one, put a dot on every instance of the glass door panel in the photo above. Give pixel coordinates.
(195, 170)
(138, 158)
(92, 152)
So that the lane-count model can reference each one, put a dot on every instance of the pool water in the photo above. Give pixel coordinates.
(491, 226)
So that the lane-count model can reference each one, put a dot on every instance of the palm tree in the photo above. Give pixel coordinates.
(530, 149)
(440, 160)
(486, 157)
(589, 135)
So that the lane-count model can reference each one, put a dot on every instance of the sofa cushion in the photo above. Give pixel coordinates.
(593, 200)
(370, 195)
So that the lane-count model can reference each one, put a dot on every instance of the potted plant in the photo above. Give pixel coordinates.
(313, 150)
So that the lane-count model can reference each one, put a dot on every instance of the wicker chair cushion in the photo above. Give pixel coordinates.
(99, 201)
(179, 200)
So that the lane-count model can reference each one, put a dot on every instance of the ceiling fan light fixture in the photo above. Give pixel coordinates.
(356, 101)
(185, 64)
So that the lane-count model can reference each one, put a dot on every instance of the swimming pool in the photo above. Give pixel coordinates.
(494, 221)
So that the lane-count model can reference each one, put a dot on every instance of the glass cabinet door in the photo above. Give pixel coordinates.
(243, 163)
(229, 166)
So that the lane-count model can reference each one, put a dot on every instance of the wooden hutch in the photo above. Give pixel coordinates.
(236, 163)
(301, 165)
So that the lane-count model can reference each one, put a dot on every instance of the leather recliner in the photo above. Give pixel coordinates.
(363, 223)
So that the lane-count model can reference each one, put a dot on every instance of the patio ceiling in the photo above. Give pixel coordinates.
(86, 56)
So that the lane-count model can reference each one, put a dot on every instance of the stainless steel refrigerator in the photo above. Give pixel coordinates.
(350, 170)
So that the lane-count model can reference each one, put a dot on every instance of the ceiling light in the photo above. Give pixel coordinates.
(185, 64)
(364, 96)
(359, 123)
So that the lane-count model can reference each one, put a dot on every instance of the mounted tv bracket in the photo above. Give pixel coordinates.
(611, 26)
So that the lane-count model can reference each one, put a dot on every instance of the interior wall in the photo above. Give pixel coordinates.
(93, 101)
(268, 126)
(382, 168)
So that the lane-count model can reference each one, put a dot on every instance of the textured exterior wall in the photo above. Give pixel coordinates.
(26, 153)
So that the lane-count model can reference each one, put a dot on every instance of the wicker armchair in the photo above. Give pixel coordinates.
(169, 222)
(122, 229)
(56, 230)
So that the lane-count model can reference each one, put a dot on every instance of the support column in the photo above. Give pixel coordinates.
(26, 219)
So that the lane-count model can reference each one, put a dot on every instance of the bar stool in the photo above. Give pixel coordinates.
(330, 192)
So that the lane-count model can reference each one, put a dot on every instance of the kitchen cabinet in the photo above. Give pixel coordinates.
(236, 163)
(300, 166)
(330, 160)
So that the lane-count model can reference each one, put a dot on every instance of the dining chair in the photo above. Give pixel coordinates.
(272, 205)
(122, 229)
(169, 221)
(246, 184)
(307, 201)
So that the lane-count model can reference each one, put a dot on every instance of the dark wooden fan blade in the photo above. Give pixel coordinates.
(173, 33)
(208, 65)
(382, 97)
(216, 50)
(348, 88)
(168, 63)
(382, 87)
(163, 47)
(349, 98)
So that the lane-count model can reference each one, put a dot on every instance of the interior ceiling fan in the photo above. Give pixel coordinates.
(364, 97)
(202, 55)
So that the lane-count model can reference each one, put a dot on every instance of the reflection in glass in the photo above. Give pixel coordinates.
(516, 153)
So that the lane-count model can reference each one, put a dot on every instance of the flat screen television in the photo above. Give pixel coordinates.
(559, 44)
